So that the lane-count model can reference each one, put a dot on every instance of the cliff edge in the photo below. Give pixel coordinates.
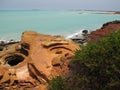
(104, 31)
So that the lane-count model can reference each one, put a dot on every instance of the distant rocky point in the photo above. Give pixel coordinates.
(105, 30)
(117, 12)
(84, 36)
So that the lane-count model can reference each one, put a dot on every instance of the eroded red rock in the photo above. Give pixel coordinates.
(105, 30)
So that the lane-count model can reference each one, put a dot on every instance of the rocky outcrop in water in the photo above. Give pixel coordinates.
(80, 37)
(4, 44)
(83, 37)
(32, 62)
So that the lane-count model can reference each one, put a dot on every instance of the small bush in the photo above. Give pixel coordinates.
(57, 83)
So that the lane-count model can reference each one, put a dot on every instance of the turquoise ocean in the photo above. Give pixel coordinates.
(14, 22)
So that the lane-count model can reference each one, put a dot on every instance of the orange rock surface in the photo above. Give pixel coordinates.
(33, 61)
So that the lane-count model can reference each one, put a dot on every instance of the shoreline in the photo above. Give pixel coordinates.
(106, 11)
(109, 12)
(100, 11)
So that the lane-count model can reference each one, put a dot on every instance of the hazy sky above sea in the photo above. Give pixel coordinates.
(60, 4)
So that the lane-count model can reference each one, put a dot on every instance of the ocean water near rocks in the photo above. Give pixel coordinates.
(64, 23)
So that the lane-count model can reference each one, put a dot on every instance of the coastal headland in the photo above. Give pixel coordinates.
(104, 31)
(34, 60)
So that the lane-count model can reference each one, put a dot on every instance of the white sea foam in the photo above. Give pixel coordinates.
(8, 37)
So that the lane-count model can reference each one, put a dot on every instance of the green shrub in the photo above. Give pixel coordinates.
(57, 83)
(98, 64)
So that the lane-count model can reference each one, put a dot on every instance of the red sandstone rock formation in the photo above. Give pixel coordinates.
(32, 62)
(105, 30)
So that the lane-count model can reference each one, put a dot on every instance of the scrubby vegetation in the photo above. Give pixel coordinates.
(99, 64)
(57, 83)
(96, 66)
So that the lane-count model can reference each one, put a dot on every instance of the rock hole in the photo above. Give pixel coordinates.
(58, 52)
(1, 48)
(14, 60)
(85, 31)
(23, 51)
(25, 45)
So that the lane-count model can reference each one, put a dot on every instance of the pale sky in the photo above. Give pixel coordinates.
(60, 4)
